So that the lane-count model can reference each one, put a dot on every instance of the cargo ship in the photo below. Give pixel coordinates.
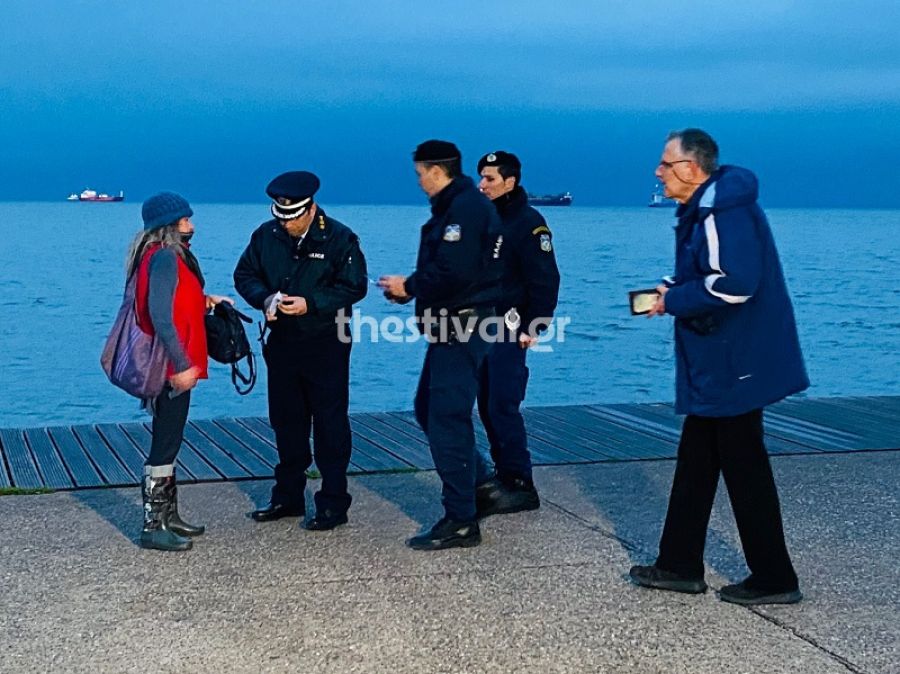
(658, 198)
(91, 195)
(564, 199)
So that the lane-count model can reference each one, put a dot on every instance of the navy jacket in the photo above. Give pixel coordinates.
(530, 274)
(736, 343)
(457, 266)
(327, 269)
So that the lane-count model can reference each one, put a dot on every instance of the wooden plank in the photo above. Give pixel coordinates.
(241, 454)
(648, 435)
(665, 413)
(261, 447)
(413, 448)
(4, 476)
(542, 452)
(412, 453)
(111, 468)
(261, 426)
(602, 446)
(52, 469)
(124, 448)
(22, 469)
(75, 457)
(629, 439)
(191, 466)
(370, 457)
(872, 431)
(213, 454)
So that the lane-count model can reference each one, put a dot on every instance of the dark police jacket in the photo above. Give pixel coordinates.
(530, 275)
(458, 263)
(327, 269)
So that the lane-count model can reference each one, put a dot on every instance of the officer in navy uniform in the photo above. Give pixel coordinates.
(302, 269)
(530, 293)
(455, 286)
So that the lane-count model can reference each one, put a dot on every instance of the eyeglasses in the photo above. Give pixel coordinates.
(669, 164)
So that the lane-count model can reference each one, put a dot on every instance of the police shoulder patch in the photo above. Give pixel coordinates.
(452, 233)
(542, 228)
(546, 245)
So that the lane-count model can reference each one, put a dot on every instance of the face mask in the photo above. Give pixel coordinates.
(186, 237)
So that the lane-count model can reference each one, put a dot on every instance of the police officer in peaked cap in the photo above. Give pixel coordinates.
(454, 285)
(303, 269)
(530, 291)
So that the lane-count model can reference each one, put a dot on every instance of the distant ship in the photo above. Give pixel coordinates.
(658, 198)
(91, 195)
(550, 199)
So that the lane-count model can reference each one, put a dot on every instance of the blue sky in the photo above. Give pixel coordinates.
(213, 99)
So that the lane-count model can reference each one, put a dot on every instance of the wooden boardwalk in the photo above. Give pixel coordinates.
(112, 455)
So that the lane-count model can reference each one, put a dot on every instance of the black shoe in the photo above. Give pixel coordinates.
(325, 520)
(501, 497)
(447, 533)
(660, 579)
(746, 595)
(276, 511)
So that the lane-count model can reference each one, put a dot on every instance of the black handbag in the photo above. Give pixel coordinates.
(226, 342)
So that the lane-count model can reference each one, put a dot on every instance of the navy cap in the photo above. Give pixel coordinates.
(293, 185)
(436, 151)
(292, 193)
(500, 158)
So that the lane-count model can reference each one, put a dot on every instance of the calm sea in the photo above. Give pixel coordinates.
(61, 281)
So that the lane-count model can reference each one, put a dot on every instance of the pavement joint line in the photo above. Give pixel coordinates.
(840, 659)
(628, 545)
(850, 666)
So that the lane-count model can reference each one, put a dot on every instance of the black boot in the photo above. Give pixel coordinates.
(500, 496)
(156, 534)
(176, 524)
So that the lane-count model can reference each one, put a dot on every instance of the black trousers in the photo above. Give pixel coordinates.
(169, 419)
(444, 401)
(501, 390)
(733, 446)
(309, 384)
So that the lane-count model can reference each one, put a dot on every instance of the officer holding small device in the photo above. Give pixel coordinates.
(301, 269)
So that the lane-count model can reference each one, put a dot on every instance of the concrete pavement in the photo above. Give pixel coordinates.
(545, 592)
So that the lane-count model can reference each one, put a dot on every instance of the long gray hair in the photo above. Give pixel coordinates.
(168, 237)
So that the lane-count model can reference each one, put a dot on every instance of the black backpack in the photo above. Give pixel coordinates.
(226, 342)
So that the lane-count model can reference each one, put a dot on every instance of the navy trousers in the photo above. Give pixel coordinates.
(503, 379)
(309, 384)
(444, 402)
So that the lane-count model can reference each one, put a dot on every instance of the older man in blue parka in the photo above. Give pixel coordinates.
(737, 351)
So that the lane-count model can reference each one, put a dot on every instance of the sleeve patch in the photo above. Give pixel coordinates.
(546, 246)
(452, 233)
(542, 228)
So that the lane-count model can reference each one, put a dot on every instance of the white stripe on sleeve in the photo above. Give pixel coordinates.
(712, 242)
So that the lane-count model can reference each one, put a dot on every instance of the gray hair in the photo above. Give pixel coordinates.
(168, 237)
(700, 145)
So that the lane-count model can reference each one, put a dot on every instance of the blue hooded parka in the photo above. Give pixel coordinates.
(736, 343)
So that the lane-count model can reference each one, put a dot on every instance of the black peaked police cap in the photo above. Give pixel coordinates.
(293, 185)
(436, 151)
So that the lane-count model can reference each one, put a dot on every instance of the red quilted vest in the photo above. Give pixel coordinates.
(188, 309)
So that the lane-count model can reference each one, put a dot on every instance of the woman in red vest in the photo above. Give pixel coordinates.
(170, 303)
